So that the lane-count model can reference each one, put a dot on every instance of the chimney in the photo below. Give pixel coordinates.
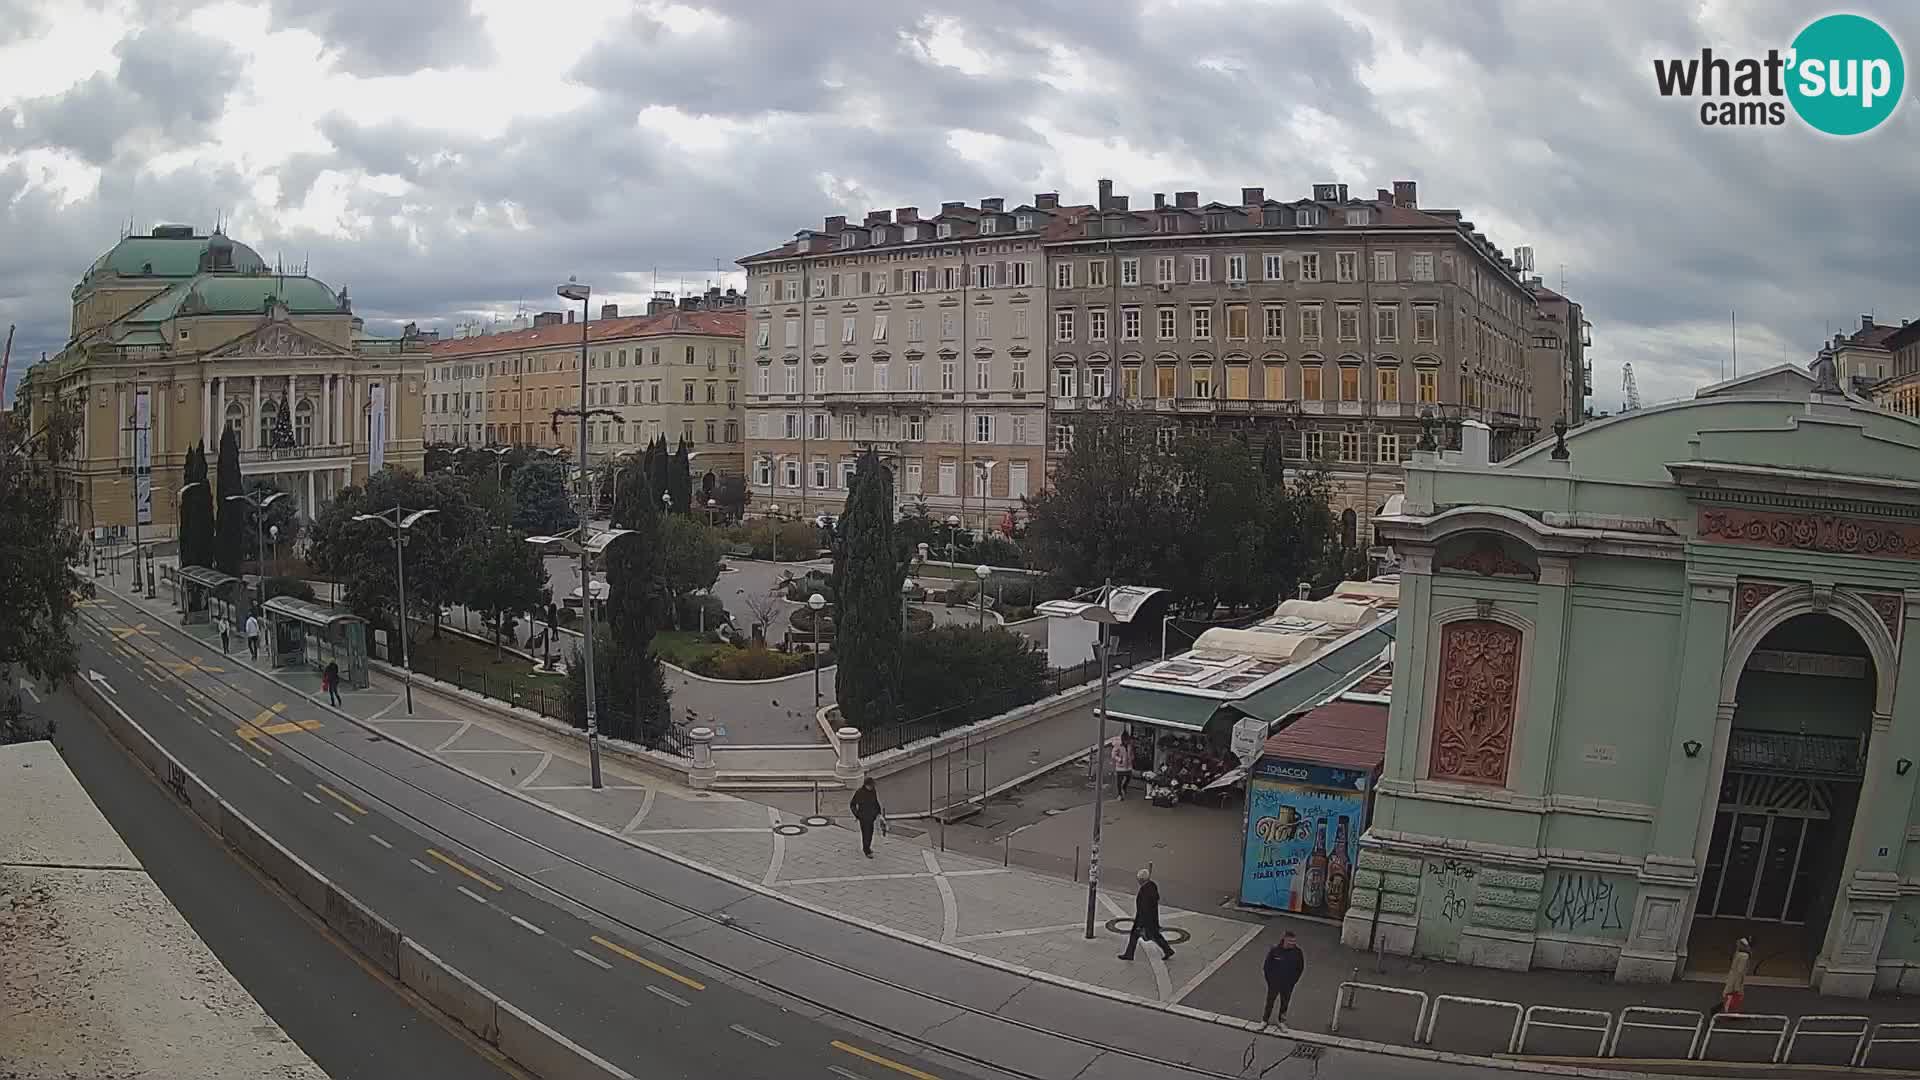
(1106, 194)
(547, 318)
(1343, 193)
(1120, 203)
(949, 207)
(1383, 195)
(1866, 322)
(835, 223)
(1403, 194)
(1187, 200)
(1252, 196)
(569, 316)
(882, 217)
(1159, 200)
(1476, 443)
(609, 311)
(995, 205)
(907, 215)
(1047, 200)
(661, 303)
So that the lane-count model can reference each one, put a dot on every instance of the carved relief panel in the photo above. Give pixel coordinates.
(1478, 700)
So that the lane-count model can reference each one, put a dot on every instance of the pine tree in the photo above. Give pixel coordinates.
(867, 572)
(633, 701)
(680, 478)
(196, 512)
(230, 536)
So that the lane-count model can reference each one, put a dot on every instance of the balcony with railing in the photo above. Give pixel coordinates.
(274, 455)
(856, 398)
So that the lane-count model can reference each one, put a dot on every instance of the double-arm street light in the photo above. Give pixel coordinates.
(584, 542)
(400, 520)
(1102, 614)
(259, 500)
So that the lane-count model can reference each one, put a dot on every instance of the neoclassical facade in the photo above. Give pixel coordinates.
(1653, 694)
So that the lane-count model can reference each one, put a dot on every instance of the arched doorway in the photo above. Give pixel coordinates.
(1795, 756)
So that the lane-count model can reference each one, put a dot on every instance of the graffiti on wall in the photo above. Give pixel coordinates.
(1586, 903)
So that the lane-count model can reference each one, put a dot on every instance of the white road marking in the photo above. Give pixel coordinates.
(471, 895)
(375, 837)
(676, 999)
(343, 818)
(283, 779)
(260, 763)
(592, 959)
(308, 795)
(754, 1035)
(233, 746)
(423, 866)
(525, 925)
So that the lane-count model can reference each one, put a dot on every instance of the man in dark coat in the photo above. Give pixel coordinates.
(866, 810)
(1284, 965)
(1146, 918)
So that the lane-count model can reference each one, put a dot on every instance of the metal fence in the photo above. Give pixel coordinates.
(993, 703)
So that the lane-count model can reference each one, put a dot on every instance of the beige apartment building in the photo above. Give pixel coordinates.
(1558, 367)
(922, 339)
(674, 374)
(1333, 323)
(178, 336)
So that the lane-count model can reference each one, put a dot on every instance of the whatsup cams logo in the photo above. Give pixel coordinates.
(1843, 75)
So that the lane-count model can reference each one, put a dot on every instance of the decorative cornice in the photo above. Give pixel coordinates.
(1489, 559)
(1807, 503)
(1821, 533)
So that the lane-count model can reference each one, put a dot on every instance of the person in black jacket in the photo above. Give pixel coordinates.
(866, 810)
(1146, 918)
(1284, 965)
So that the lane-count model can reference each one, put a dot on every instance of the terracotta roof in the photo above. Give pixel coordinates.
(702, 323)
(1342, 734)
(1874, 336)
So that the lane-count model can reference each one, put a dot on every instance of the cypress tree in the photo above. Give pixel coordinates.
(680, 478)
(196, 512)
(867, 572)
(230, 538)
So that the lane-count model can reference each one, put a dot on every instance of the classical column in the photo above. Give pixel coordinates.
(325, 419)
(290, 400)
(312, 507)
(253, 428)
(220, 416)
(206, 410)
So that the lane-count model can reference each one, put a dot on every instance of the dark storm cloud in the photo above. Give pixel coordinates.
(171, 83)
(391, 37)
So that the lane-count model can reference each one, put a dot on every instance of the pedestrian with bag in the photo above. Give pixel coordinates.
(1122, 757)
(225, 626)
(331, 679)
(1146, 918)
(1733, 992)
(1283, 967)
(866, 810)
(253, 636)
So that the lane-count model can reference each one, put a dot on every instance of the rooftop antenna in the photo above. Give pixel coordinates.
(1733, 321)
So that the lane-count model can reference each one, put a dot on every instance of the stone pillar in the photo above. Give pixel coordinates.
(846, 765)
(252, 434)
(702, 774)
(326, 437)
(289, 403)
(313, 508)
(219, 419)
(206, 410)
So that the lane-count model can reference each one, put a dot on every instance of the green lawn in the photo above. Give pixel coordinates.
(475, 666)
(683, 647)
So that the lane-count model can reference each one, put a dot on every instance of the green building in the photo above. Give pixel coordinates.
(1652, 695)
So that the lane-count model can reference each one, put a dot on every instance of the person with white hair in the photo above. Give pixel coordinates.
(1146, 917)
(1733, 992)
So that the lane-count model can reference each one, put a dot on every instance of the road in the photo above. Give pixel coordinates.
(350, 1022)
(650, 964)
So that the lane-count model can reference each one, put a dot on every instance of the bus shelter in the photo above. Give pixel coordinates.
(206, 593)
(301, 633)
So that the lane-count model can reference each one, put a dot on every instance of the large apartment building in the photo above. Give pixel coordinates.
(179, 336)
(674, 374)
(1331, 322)
(1558, 367)
(923, 339)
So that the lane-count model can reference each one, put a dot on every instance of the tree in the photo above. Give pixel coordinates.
(230, 535)
(867, 571)
(732, 495)
(680, 477)
(542, 506)
(1112, 510)
(631, 698)
(690, 555)
(437, 457)
(631, 692)
(360, 553)
(505, 577)
(196, 512)
(964, 674)
(283, 515)
(38, 589)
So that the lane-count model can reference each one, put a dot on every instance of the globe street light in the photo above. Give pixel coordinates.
(401, 520)
(953, 522)
(713, 510)
(983, 572)
(906, 591)
(773, 511)
(817, 603)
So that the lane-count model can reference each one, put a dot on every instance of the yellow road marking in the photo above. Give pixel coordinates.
(261, 725)
(878, 1060)
(188, 667)
(204, 711)
(438, 857)
(122, 633)
(341, 799)
(648, 964)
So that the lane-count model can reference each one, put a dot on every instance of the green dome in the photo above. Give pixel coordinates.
(174, 251)
(238, 294)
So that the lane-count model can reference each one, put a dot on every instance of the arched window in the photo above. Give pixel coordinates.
(303, 423)
(1349, 525)
(236, 419)
(268, 413)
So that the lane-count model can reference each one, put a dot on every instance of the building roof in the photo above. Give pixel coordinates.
(1340, 734)
(731, 324)
(177, 253)
(237, 294)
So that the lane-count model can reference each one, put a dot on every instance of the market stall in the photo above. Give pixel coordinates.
(1309, 797)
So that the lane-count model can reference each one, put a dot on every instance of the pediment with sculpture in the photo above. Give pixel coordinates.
(276, 339)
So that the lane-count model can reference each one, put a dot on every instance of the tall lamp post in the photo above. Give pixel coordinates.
(817, 604)
(588, 544)
(773, 511)
(953, 523)
(576, 290)
(179, 500)
(260, 502)
(400, 519)
(983, 572)
(1103, 615)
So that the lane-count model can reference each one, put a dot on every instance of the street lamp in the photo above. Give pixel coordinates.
(983, 572)
(400, 520)
(259, 502)
(587, 549)
(1103, 615)
(818, 604)
(906, 591)
(713, 511)
(179, 500)
(953, 522)
(666, 502)
(773, 511)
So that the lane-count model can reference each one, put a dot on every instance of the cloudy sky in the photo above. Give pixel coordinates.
(450, 159)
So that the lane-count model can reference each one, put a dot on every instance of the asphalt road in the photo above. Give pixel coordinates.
(647, 1012)
(350, 1022)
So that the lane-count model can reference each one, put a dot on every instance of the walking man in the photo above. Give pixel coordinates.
(1283, 967)
(331, 677)
(1146, 918)
(225, 626)
(866, 810)
(1122, 761)
(253, 636)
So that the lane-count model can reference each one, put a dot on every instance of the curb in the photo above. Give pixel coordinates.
(1339, 1042)
(497, 1022)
